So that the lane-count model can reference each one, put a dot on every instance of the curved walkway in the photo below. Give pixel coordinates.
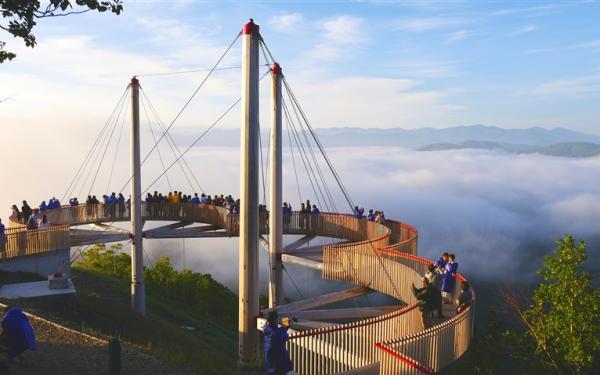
(374, 256)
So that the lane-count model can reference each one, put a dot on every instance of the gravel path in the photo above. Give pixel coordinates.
(62, 350)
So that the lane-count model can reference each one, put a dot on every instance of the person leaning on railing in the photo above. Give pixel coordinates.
(427, 300)
(465, 299)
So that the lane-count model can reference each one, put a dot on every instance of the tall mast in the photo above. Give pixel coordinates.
(275, 204)
(249, 221)
(138, 298)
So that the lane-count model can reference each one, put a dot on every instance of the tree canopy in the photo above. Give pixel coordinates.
(19, 17)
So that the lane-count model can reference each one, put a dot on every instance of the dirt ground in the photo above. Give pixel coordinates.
(64, 351)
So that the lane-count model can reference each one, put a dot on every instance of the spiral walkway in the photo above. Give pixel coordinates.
(374, 257)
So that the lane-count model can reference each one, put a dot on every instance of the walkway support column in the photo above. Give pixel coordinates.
(138, 297)
(275, 199)
(249, 223)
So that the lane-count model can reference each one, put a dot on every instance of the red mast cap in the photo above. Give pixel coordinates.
(250, 28)
(276, 68)
(134, 80)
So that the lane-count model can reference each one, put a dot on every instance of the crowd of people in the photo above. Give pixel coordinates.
(115, 206)
(376, 216)
(437, 289)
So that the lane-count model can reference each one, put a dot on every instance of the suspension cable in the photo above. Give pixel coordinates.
(187, 103)
(125, 105)
(320, 146)
(78, 174)
(300, 149)
(171, 142)
(293, 159)
(162, 163)
(215, 123)
(112, 168)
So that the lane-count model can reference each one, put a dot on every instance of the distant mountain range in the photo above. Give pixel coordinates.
(557, 141)
(563, 149)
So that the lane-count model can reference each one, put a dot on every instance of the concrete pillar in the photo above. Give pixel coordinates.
(249, 223)
(138, 298)
(275, 198)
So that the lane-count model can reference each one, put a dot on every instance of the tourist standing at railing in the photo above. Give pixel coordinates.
(16, 213)
(89, 207)
(449, 279)
(379, 217)
(465, 298)
(277, 359)
(287, 214)
(44, 224)
(435, 280)
(32, 222)
(440, 264)
(43, 206)
(96, 204)
(26, 211)
(196, 199)
(371, 215)
(112, 205)
(121, 205)
(314, 217)
(301, 219)
(73, 202)
(2, 239)
(426, 297)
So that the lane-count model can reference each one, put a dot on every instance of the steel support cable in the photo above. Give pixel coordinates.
(292, 280)
(344, 191)
(316, 163)
(91, 167)
(268, 54)
(187, 103)
(170, 141)
(188, 71)
(78, 174)
(333, 171)
(107, 143)
(293, 159)
(296, 109)
(306, 161)
(262, 167)
(162, 163)
(112, 168)
(309, 167)
(303, 155)
(300, 149)
(215, 123)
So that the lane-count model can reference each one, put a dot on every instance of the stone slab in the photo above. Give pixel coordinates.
(33, 289)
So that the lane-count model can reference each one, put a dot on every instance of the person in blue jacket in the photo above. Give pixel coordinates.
(277, 359)
(17, 334)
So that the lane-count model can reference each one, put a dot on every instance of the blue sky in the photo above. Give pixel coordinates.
(403, 64)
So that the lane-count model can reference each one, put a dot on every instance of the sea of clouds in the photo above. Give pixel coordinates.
(498, 212)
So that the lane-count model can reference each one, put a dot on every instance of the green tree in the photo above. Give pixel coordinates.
(20, 16)
(564, 317)
(107, 260)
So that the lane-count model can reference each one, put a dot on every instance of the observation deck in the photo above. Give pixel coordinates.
(372, 256)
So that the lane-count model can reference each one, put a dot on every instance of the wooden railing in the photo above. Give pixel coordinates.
(403, 237)
(385, 268)
(19, 241)
(380, 257)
